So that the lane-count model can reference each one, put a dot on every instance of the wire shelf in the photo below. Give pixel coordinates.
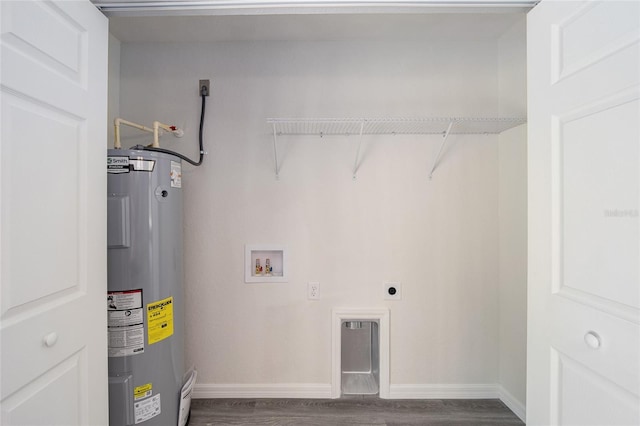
(444, 126)
(392, 126)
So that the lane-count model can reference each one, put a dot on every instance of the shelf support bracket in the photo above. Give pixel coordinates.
(275, 150)
(444, 142)
(356, 164)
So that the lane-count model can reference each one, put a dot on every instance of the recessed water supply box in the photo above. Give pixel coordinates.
(265, 263)
(360, 357)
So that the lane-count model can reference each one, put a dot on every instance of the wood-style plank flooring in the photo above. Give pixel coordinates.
(354, 410)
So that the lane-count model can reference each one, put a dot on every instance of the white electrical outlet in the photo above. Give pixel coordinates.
(313, 290)
(392, 291)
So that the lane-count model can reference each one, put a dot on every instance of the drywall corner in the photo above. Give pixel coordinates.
(512, 70)
(512, 258)
(512, 214)
(113, 94)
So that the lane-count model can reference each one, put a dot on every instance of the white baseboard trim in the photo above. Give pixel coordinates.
(513, 403)
(445, 391)
(276, 390)
(323, 391)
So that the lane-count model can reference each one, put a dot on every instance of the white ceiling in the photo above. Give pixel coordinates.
(312, 27)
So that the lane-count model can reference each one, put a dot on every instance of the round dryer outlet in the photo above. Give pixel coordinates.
(392, 291)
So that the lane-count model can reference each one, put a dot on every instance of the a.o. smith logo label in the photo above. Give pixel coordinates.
(117, 164)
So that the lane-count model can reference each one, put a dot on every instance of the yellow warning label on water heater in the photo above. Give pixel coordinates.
(142, 391)
(160, 320)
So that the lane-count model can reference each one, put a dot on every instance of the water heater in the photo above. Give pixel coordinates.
(145, 301)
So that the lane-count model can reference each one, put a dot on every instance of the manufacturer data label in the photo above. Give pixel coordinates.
(176, 174)
(147, 409)
(125, 323)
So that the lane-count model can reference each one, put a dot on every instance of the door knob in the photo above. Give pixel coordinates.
(592, 340)
(50, 339)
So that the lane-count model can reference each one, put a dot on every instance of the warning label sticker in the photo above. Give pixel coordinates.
(176, 174)
(142, 392)
(125, 323)
(147, 409)
(124, 318)
(117, 164)
(160, 320)
(122, 300)
(127, 341)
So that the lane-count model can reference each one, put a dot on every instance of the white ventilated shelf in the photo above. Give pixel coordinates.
(444, 126)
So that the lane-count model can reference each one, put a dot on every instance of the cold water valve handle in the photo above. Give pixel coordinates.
(177, 132)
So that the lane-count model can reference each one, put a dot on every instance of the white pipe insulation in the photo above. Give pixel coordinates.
(176, 131)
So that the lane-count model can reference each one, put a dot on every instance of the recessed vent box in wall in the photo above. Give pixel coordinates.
(360, 357)
(265, 263)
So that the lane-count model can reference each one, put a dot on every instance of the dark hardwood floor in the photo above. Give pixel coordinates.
(356, 410)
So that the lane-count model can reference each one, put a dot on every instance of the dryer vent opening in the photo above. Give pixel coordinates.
(360, 357)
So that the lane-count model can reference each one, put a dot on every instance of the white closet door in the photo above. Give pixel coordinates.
(52, 212)
(584, 191)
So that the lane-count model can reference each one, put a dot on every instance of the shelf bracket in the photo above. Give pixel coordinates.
(356, 164)
(275, 150)
(444, 142)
